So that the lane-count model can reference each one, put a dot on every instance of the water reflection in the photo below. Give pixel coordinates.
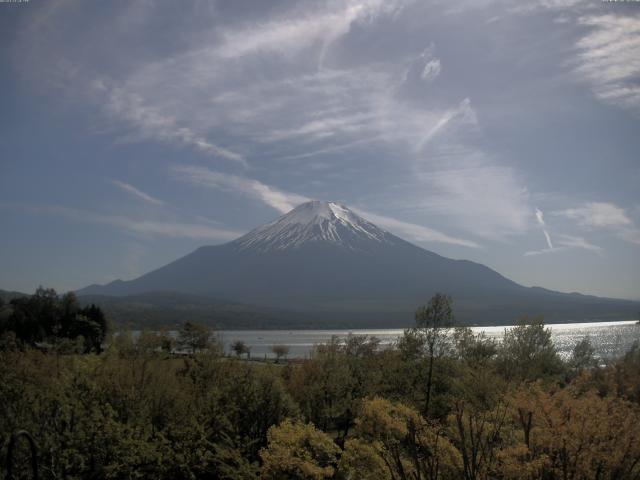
(610, 339)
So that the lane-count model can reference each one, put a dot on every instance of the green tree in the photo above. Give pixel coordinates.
(194, 337)
(280, 351)
(622, 378)
(323, 386)
(527, 352)
(166, 341)
(45, 316)
(473, 349)
(432, 322)
(238, 402)
(92, 324)
(583, 355)
(411, 344)
(361, 346)
(35, 318)
(240, 348)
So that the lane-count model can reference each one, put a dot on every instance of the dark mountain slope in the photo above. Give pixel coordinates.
(321, 259)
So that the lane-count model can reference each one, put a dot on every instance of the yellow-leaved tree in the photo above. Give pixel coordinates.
(298, 451)
(573, 433)
(392, 440)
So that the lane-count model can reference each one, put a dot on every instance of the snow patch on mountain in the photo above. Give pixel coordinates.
(315, 222)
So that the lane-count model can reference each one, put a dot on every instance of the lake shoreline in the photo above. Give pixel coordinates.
(302, 341)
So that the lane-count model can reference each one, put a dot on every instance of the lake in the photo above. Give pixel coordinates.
(610, 339)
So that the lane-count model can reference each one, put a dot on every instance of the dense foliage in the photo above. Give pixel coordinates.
(57, 321)
(456, 406)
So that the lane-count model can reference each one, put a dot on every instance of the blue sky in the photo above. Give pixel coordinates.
(506, 133)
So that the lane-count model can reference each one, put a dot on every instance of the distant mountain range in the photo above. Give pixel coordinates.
(323, 265)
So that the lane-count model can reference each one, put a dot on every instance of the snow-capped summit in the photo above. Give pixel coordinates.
(315, 221)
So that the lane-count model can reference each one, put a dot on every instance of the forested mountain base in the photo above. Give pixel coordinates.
(434, 407)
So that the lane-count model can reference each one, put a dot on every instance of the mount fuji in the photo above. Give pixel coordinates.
(322, 264)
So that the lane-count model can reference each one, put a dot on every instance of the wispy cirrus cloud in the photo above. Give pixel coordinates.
(596, 214)
(571, 241)
(541, 222)
(566, 242)
(130, 189)
(483, 198)
(609, 58)
(426, 67)
(604, 216)
(138, 226)
(205, 177)
(201, 97)
(292, 33)
(251, 83)
(562, 241)
(414, 232)
(152, 122)
(463, 113)
(431, 70)
(284, 201)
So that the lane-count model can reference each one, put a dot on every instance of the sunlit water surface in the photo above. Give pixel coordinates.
(610, 339)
